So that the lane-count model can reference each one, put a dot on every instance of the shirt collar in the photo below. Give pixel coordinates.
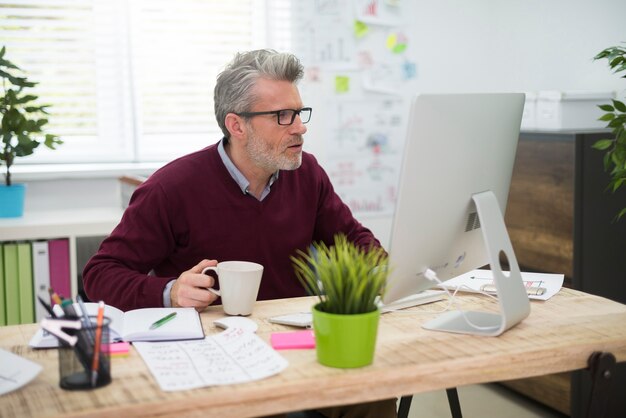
(241, 180)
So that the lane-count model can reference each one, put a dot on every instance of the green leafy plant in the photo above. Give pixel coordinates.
(22, 122)
(345, 278)
(615, 148)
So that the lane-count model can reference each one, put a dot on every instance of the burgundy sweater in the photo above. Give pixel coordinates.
(193, 209)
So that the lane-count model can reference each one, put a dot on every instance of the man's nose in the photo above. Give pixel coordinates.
(298, 127)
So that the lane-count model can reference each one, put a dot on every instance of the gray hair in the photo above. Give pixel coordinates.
(233, 90)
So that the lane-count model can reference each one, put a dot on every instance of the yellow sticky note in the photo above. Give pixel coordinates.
(360, 29)
(342, 84)
(396, 43)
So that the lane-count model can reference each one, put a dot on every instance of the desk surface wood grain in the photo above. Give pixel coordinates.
(559, 335)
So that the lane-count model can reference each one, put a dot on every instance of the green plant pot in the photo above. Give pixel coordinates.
(345, 341)
(12, 200)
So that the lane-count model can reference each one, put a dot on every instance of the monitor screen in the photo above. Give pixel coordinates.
(458, 147)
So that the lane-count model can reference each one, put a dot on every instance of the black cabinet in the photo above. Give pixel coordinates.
(599, 240)
(599, 255)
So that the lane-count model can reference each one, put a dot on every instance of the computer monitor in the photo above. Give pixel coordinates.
(454, 183)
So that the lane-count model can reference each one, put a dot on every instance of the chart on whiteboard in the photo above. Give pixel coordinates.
(365, 156)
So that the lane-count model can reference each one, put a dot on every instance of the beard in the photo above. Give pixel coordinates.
(272, 158)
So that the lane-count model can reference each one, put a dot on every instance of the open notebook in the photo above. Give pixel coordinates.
(135, 325)
(305, 319)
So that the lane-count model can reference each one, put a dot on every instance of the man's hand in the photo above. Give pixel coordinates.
(190, 289)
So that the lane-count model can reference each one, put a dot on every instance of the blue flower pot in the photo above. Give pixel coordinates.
(12, 200)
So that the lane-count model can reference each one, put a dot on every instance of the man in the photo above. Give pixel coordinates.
(253, 196)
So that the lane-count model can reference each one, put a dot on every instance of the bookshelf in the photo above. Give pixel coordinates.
(70, 224)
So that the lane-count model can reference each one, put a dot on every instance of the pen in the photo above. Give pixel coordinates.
(47, 307)
(68, 308)
(84, 316)
(96, 347)
(163, 320)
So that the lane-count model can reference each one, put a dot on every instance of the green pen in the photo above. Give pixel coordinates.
(163, 320)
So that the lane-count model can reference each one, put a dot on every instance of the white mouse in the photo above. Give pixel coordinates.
(236, 322)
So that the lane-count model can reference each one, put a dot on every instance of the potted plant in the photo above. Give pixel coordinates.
(615, 148)
(347, 280)
(21, 131)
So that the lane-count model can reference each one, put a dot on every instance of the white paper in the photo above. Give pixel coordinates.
(233, 356)
(16, 371)
(475, 279)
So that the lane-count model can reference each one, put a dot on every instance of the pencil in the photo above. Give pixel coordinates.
(96, 347)
(55, 298)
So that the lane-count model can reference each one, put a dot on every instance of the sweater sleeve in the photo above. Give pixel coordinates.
(119, 273)
(334, 216)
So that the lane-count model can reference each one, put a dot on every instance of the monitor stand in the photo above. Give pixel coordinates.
(512, 297)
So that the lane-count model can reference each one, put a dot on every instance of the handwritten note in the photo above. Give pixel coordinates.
(233, 356)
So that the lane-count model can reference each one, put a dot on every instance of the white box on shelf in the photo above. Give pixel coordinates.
(529, 117)
(571, 110)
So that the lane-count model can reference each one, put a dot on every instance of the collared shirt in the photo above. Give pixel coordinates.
(241, 180)
(244, 185)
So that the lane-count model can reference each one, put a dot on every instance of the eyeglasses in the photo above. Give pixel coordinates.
(283, 116)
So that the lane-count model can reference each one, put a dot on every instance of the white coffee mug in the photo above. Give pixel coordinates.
(239, 285)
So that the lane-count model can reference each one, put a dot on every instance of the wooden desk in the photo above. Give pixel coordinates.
(559, 335)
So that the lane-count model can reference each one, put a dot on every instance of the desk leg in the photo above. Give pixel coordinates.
(405, 405)
(601, 367)
(455, 405)
(453, 400)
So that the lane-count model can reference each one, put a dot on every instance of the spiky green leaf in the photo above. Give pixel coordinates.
(343, 276)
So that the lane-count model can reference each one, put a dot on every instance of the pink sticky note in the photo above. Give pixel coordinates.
(293, 340)
(118, 349)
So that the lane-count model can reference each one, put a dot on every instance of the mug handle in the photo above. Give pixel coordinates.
(210, 289)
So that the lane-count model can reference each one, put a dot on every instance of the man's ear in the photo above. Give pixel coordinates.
(235, 125)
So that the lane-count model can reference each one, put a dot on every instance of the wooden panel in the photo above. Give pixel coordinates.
(540, 209)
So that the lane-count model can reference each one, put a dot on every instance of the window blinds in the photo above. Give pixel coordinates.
(132, 80)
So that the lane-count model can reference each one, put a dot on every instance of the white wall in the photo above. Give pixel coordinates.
(460, 46)
(517, 45)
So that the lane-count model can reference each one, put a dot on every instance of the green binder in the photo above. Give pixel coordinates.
(25, 274)
(11, 284)
(3, 303)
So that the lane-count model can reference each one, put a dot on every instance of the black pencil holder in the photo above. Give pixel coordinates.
(77, 370)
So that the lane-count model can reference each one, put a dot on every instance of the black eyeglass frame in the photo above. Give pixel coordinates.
(277, 113)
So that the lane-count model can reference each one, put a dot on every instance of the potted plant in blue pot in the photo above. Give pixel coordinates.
(21, 131)
(347, 281)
